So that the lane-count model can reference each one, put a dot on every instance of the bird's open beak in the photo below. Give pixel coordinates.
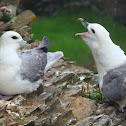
(85, 24)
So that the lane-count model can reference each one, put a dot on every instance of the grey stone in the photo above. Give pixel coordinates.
(55, 91)
(69, 77)
(55, 117)
(63, 85)
(30, 121)
(71, 122)
(13, 123)
(112, 111)
(67, 113)
(44, 97)
(64, 104)
(18, 100)
(100, 120)
(13, 9)
(43, 122)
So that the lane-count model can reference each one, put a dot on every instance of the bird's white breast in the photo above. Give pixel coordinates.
(107, 59)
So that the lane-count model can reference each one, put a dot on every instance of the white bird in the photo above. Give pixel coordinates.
(110, 62)
(20, 71)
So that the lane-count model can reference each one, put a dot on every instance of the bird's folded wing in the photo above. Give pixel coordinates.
(114, 84)
(33, 64)
(34, 61)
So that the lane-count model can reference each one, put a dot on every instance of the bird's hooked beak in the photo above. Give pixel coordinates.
(23, 43)
(85, 24)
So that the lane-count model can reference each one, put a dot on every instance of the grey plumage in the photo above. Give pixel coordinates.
(34, 61)
(114, 84)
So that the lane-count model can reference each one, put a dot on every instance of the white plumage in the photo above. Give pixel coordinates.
(20, 71)
(52, 58)
(108, 57)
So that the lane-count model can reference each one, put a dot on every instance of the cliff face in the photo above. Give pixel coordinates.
(59, 101)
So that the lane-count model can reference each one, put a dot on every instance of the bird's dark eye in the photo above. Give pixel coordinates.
(14, 37)
(93, 30)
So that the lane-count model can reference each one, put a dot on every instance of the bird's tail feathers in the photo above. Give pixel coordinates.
(44, 44)
(52, 58)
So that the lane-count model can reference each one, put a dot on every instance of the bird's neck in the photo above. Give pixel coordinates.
(108, 58)
(8, 55)
(10, 46)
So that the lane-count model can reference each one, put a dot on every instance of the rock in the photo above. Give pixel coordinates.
(63, 85)
(13, 115)
(81, 107)
(67, 76)
(18, 100)
(43, 122)
(28, 110)
(100, 120)
(64, 104)
(10, 2)
(67, 113)
(13, 123)
(116, 117)
(20, 24)
(44, 97)
(54, 118)
(13, 9)
(3, 105)
(24, 19)
(55, 91)
(71, 122)
(30, 121)
(12, 108)
(5, 27)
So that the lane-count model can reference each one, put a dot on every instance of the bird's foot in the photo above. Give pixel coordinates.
(6, 97)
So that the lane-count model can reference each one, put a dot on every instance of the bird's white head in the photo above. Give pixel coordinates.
(95, 36)
(106, 54)
(11, 39)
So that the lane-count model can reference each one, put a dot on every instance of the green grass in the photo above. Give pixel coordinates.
(62, 27)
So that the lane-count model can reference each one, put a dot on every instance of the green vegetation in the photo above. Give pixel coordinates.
(62, 27)
(95, 94)
(6, 17)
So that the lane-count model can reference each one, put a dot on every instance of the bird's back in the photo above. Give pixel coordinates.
(34, 61)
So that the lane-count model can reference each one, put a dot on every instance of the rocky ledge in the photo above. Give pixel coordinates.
(58, 102)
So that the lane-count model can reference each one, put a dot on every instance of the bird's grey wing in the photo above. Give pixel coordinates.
(34, 61)
(114, 84)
